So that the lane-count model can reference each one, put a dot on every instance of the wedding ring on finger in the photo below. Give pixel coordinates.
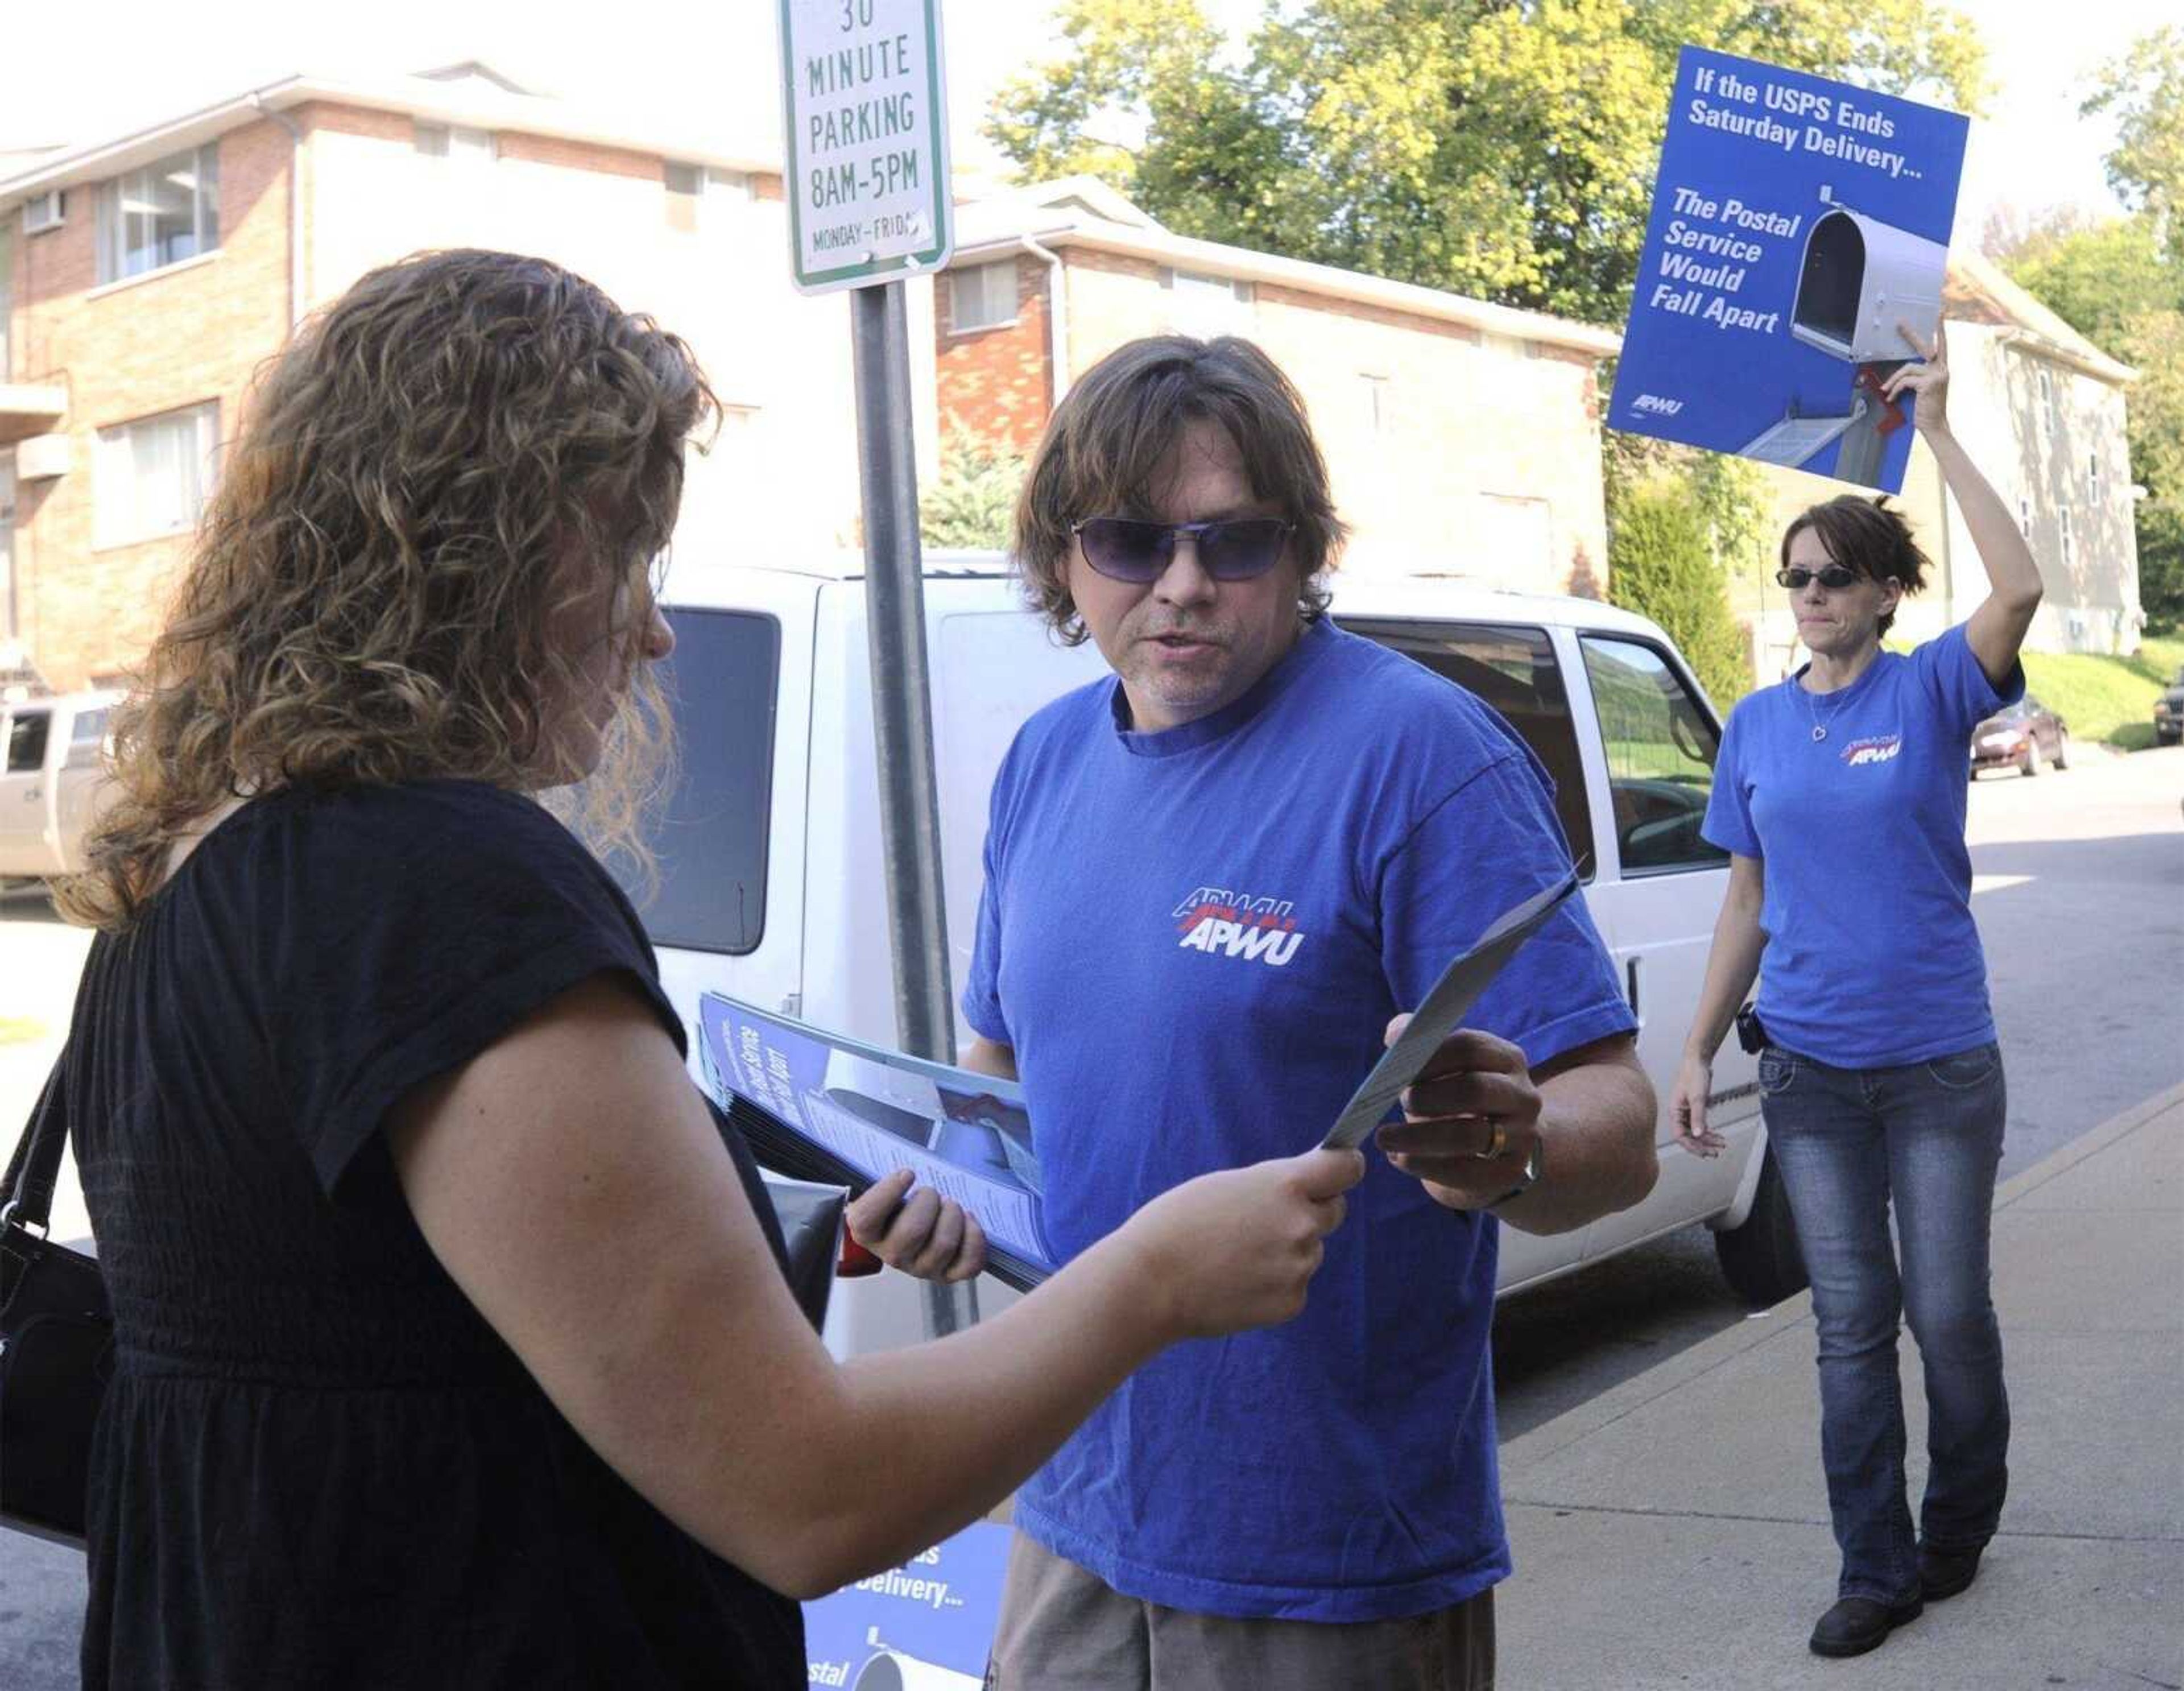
(1497, 1140)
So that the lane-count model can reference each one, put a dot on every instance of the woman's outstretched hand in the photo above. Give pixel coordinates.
(1928, 383)
(1236, 1249)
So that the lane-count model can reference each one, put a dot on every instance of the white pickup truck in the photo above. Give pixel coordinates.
(772, 886)
(50, 780)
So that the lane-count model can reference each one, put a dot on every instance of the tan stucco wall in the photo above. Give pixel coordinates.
(1484, 461)
(784, 475)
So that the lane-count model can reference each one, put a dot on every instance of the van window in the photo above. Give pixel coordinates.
(709, 838)
(26, 740)
(1513, 669)
(86, 739)
(1660, 747)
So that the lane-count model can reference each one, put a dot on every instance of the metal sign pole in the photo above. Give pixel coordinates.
(865, 156)
(902, 706)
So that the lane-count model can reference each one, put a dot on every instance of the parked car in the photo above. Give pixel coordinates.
(2169, 711)
(2024, 737)
(51, 780)
(770, 885)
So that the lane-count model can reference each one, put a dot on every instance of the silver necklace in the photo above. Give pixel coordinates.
(1820, 728)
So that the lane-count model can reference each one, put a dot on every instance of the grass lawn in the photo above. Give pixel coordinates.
(2106, 698)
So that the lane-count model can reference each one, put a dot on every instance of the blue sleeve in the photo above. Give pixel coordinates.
(982, 991)
(1949, 671)
(1489, 844)
(1728, 822)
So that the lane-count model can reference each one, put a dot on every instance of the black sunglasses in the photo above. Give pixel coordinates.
(1835, 577)
(1128, 548)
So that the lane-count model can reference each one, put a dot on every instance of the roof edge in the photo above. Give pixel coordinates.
(1189, 253)
(78, 165)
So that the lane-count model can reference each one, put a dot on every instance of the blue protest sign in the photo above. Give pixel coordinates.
(1796, 223)
(926, 1626)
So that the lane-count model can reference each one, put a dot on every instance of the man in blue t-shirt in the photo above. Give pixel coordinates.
(1212, 882)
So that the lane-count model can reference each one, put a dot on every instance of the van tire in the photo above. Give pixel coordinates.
(1762, 1260)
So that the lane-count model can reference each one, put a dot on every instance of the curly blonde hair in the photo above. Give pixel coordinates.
(464, 452)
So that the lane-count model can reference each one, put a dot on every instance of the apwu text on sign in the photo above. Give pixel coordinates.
(863, 100)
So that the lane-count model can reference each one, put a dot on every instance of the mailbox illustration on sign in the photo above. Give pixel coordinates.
(1860, 279)
(892, 1669)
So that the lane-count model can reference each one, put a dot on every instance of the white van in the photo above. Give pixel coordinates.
(772, 886)
(51, 758)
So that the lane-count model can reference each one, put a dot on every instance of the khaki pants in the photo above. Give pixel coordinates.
(1063, 1630)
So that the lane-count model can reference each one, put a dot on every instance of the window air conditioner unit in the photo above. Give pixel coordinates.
(47, 210)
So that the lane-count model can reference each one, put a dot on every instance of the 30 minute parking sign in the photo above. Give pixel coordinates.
(867, 142)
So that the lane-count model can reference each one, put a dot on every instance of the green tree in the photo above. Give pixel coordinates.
(2144, 91)
(1736, 505)
(2121, 283)
(969, 505)
(2098, 277)
(1500, 149)
(1661, 565)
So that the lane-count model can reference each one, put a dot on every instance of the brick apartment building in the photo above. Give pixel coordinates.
(143, 279)
(1462, 438)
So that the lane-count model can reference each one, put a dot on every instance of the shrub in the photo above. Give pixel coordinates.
(1661, 565)
(969, 505)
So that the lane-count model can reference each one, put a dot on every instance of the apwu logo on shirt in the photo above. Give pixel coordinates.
(1235, 924)
(1877, 748)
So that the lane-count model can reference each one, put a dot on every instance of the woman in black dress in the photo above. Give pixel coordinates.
(451, 1350)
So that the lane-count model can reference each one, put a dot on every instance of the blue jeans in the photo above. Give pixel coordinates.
(1928, 1136)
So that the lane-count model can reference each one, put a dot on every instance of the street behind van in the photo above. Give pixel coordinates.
(771, 888)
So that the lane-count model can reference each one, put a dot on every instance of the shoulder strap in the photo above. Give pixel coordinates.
(27, 1193)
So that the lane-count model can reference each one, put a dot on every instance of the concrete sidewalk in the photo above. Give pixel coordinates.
(1675, 1531)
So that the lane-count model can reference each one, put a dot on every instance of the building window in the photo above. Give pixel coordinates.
(2065, 514)
(150, 478)
(160, 214)
(2024, 517)
(446, 141)
(2048, 398)
(2093, 476)
(982, 297)
(1208, 305)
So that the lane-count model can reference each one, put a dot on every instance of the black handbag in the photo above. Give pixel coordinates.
(56, 1342)
(810, 1216)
